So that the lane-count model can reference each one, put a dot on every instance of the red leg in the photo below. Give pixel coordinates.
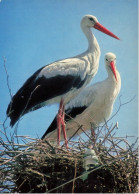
(61, 122)
(63, 127)
(93, 134)
(59, 119)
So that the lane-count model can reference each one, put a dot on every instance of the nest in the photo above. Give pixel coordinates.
(37, 166)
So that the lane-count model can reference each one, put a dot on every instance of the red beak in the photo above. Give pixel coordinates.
(101, 28)
(113, 69)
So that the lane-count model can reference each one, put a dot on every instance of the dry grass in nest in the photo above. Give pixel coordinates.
(38, 166)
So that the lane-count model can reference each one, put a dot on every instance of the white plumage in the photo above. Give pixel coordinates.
(94, 104)
(61, 79)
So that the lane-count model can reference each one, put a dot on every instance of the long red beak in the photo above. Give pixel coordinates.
(113, 69)
(101, 28)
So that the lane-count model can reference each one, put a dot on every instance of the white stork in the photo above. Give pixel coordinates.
(93, 105)
(61, 80)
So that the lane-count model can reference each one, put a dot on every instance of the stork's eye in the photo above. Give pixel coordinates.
(106, 59)
(91, 19)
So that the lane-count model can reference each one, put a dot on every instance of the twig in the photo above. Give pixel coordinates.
(7, 76)
(121, 104)
(74, 176)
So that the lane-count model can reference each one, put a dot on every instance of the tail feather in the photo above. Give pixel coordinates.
(19, 104)
(16, 108)
(51, 128)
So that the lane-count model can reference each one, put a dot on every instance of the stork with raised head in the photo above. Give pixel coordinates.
(59, 81)
(93, 105)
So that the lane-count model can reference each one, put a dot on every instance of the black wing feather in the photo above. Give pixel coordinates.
(19, 100)
(38, 90)
(69, 115)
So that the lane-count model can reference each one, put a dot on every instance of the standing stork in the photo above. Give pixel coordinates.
(59, 81)
(93, 105)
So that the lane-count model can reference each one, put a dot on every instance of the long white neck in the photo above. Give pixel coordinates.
(113, 85)
(92, 42)
(111, 75)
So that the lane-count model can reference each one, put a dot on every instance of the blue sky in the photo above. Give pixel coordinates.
(35, 33)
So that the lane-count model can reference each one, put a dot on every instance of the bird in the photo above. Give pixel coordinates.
(61, 80)
(93, 105)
